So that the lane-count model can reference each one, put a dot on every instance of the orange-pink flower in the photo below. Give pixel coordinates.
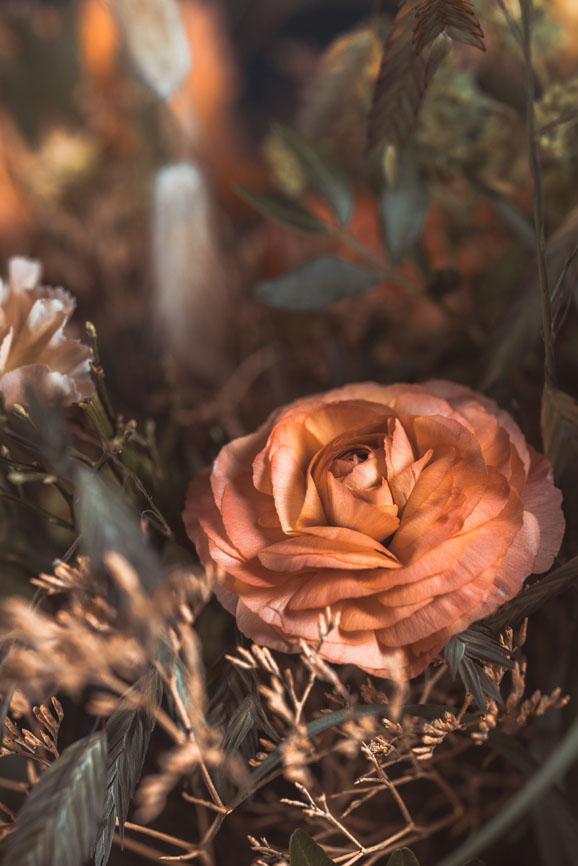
(411, 510)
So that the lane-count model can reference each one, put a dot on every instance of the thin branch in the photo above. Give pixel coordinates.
(527, 9)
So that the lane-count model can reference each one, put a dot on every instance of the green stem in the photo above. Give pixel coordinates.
(385, 272)
(526, 7)
(563, 757)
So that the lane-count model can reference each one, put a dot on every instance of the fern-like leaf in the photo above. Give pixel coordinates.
(129, 731)
(402, 81)
(58, 821)
(454, 18)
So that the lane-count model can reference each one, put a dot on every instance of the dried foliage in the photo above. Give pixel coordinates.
(415, 47)
(403, 78)
(455, 18)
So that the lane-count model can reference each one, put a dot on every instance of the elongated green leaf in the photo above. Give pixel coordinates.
(316, 284)
(478, 683)
(563, 757)
(284, 210)
(129, 731)
(109, 523)
(454, 651)
(483, 645)
(404, 207)
(303, 851)
(403, 857)
(58, 822)
(326, 177)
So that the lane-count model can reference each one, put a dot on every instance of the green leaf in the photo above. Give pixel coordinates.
(478, 683)
(303, 851)
(454, 652)
(58, 821)
(403, 857)
(129, 731)
(404, 206)
(316, 284)
(482, 644)
(109, 523)
(327, 178)
(240, 723)
(284, 210)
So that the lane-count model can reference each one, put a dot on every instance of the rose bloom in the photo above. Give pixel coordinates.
(35, 353)
(411, 510)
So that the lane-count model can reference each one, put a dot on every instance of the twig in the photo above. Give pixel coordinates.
(527, 8)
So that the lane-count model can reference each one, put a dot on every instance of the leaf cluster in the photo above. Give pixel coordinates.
(463, 651)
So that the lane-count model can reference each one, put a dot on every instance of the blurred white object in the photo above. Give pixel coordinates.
(193, 275)
(35, 353)
(156, 39)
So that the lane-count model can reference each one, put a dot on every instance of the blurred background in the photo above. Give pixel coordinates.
(86, 136)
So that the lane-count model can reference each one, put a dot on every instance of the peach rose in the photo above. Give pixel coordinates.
(412, 510)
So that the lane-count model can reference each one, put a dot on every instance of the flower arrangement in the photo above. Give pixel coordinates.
(288, 540)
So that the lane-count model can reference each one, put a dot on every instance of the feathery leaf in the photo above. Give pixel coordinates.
(403, 78)
(58, 821)
(129, 731)
(454, 18)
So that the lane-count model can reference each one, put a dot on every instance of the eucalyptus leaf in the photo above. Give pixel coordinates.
(109, 523)
(403, 857)
(284, 210)
(304, 851)
(59, 819)
(316, 284)
(327, 178)
(404, 206)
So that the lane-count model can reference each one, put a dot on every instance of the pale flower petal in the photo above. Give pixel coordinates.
(35, 352)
